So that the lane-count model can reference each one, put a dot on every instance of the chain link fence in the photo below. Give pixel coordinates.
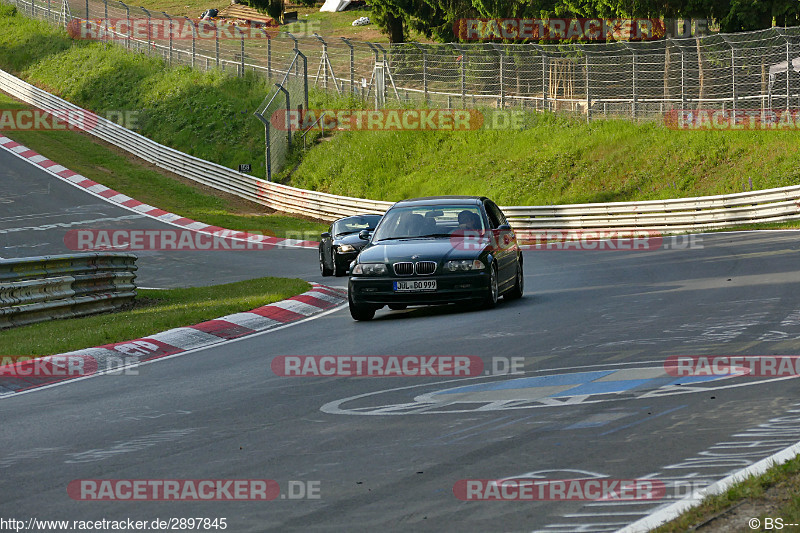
(632, 80)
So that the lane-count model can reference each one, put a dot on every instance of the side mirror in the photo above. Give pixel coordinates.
(325, 235)
(364, 234)
(504, 227)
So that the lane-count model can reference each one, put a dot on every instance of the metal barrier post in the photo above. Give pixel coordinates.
(149, 28)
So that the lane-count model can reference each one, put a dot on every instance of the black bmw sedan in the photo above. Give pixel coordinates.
(341, 243)
(437, 250)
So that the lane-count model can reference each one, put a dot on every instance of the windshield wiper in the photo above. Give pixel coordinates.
(435, 235)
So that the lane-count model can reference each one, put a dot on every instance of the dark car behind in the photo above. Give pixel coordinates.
(341, 243)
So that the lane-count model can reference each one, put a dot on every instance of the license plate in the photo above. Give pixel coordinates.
(414, 286)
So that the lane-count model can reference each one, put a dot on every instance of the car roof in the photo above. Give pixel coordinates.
(442, 200)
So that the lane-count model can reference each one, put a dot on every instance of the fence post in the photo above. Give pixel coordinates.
(588, 91)
(130, 30)
(463, 76)
(352, 65)
(633, 78)
(269, 56)
(322, 63)
(502, 68)
(242, 63)
(105, 21)
(788, 71)
(169, 61)
(305, 75)
(87, 9)
(296, 51)
(216, 43)
(424, 69)
(149, 28)
(733, 71)
(286, 114)
(190, 21)
(544, 75)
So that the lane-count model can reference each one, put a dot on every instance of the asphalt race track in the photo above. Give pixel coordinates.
(385, 453)
(37, 210)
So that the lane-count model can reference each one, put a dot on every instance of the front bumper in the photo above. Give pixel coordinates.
(450, 288)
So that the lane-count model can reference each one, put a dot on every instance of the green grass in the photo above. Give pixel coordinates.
(786, 477)
(158, 310)
(553, 160)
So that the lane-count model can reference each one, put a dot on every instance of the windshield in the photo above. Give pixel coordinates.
(355, 224)
(428, 221)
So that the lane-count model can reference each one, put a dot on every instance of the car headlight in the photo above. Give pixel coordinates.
(370, 269)
(343, 249)
(465, 264)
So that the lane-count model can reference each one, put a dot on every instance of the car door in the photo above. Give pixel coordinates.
(506, 244)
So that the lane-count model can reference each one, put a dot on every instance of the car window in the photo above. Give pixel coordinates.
(355, 224)
(496, 217)
(429, 220)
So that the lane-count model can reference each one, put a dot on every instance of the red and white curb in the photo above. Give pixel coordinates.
(122, 200)
(48, 370)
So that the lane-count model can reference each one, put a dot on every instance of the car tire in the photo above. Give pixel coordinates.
(325, 271)
(338, 270)
(397, 307)
(493, 293)
(516, 291)
(360, 312)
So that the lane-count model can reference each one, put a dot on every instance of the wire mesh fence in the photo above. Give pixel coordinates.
(633, 80)
(637, 80)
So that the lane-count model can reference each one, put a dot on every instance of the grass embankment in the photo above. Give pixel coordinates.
(554, 160)
(124, 81)
(155, 310)
(773, 494)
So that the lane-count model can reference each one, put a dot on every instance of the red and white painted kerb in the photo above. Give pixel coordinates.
(111, 357)
(132, 204)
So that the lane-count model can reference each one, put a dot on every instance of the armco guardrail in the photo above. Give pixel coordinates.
(35, 289)
(679, 215)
